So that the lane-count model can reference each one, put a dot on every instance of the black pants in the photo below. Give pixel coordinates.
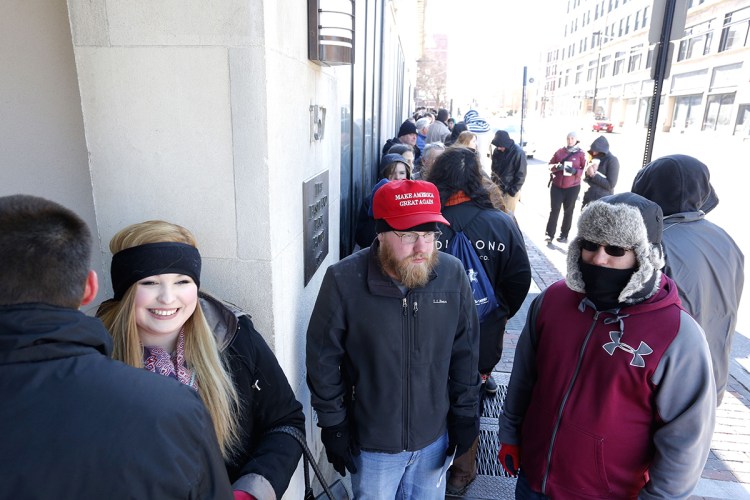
(491, 346)
(565, 197)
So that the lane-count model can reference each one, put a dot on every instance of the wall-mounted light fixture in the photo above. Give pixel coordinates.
(330, 32)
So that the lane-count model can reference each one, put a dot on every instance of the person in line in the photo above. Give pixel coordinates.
(423, 127)
(498, 242)
(392, 350)
(458, 129)
(407, 152)
(508, 168)
(601, 173)
(77, 424)
(392, 167)
(704, 261)
(468, 140)
(407, 134)
(439, 131)
(611, 393)
(429, 155)
(161, 322)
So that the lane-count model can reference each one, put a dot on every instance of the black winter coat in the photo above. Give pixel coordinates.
(394, 365)
(267, 400)
(604, 182)
(77, 424)
(500, 246)
(509, 168)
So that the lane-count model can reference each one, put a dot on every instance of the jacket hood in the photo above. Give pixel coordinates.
(222, 317)
(600, 145)
(502, 139)
(678, 183)
(30, 332)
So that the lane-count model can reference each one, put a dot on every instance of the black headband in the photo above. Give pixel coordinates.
(136, 263)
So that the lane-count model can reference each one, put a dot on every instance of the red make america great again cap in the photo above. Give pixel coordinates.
(405, 204)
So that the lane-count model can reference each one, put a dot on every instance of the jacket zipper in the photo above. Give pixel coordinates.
(565, 399)
(405, 377)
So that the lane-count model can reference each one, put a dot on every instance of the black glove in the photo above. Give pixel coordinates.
(569, 169)
(340, 448)
(462, 431)
(559, 167)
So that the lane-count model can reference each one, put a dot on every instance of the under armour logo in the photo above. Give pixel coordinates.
(643, 349)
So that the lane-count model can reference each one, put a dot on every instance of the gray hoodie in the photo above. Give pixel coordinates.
(701, 257)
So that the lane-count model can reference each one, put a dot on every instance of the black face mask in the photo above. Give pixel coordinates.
(603, 284)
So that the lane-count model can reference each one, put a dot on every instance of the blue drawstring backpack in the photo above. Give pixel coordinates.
(481, 286)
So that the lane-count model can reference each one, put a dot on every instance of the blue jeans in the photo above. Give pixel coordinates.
(409, 475)
(524, 491)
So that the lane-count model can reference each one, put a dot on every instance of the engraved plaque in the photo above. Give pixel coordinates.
(315, 222)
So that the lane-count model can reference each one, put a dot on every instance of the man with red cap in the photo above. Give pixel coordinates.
(392, 350)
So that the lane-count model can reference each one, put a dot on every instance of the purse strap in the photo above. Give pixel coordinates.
(307, 458)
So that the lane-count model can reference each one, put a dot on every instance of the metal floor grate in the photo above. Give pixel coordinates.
(487, 464)
(492, 482)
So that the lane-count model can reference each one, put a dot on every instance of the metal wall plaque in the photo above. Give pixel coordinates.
(315, 222)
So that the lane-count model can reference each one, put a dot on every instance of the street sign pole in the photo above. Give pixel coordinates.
(662, 63)
(523, 106)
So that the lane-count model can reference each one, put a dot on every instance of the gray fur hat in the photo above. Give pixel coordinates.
(626, 220)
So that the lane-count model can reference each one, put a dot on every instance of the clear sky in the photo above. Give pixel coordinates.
(490, 41)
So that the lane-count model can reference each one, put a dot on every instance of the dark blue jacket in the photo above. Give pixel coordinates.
(77, 424)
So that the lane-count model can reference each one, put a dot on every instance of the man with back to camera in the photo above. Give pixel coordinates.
(611, 393)
(76, 423)
(392, 349)
(508, 168)
(439, 131)
(704, 261)
(499, 245)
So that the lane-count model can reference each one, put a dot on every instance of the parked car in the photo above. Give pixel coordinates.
(602, 124)
(513, 129)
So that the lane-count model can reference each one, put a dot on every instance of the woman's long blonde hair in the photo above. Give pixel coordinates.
(465, 137)
(215, 384)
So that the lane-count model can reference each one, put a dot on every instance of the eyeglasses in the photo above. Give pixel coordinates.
(410, 238)
(612, 250)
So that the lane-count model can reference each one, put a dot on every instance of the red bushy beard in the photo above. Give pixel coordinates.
(410, 274)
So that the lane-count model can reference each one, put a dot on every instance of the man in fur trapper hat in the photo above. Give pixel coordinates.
(612, 394)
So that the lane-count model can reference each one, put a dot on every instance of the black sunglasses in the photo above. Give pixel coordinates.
(612, 250)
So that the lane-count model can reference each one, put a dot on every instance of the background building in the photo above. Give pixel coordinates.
(603, 61)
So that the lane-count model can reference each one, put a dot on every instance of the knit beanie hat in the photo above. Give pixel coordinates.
(626, 220)
(471, 115)
(474, 123)
(408, 127)
(442, 115)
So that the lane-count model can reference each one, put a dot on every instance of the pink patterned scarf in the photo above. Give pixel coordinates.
(158, 360)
